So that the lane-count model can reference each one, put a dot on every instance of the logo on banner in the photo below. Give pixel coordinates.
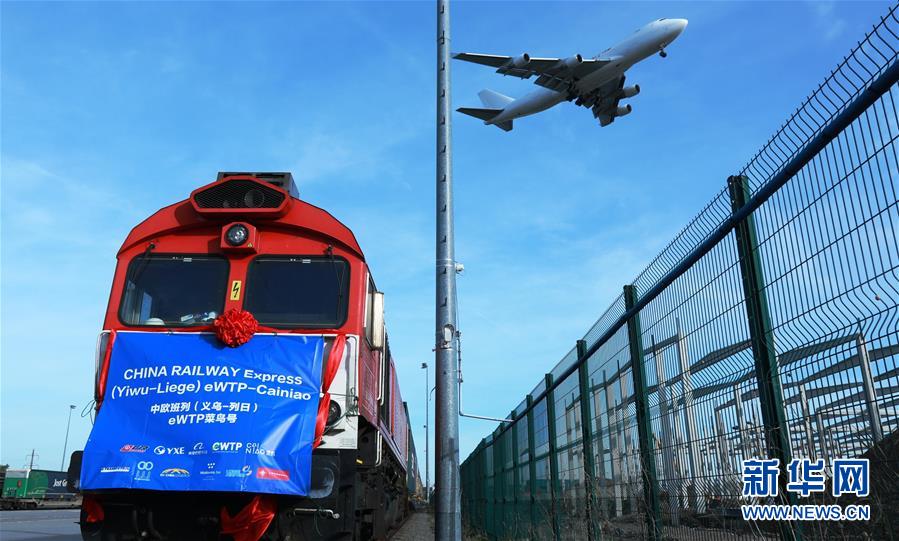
(162, 450)
(134, 448)
(246, 405)
(210, 470)
(227, 446)
(199, 449)
(144, 468)
(174, 472)
(276, 475)
(246, 471)
(254, 448)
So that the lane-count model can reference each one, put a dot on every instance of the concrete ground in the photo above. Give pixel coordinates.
(419, 526)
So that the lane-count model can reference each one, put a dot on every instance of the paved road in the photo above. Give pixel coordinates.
(44, 525)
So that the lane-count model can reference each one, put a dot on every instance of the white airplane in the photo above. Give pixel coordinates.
(596, 83)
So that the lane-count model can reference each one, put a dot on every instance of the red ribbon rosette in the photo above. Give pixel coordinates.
(235, 327)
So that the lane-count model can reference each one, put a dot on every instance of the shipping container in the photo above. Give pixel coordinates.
(46, 484)
(35, 484)
(15, 483)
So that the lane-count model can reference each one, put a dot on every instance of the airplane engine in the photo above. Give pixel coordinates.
(622, 111)
(630, 91)
(521, 60)
(572, 62)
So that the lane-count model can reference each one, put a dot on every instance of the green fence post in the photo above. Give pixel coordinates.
(494, 502)
(761, 336)
(499, 477)
(516, 475)
(644, 428)
(587, 439)
(553, 458)
(482, 460)
(532, 465)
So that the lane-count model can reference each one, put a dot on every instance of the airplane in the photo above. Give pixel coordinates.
(596, 83)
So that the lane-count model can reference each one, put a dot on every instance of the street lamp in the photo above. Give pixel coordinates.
(66, 444)
(448, 515)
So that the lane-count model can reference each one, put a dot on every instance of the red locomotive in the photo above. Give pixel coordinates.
(247, 243)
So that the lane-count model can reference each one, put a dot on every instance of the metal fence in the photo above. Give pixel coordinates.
(769, 327)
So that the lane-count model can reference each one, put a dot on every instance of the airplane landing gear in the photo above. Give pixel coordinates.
(662, 53)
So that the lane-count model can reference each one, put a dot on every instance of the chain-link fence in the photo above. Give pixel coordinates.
(768, 328)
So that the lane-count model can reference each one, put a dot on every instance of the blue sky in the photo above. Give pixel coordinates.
(109, 111)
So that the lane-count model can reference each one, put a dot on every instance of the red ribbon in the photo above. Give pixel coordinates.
(235, 327)
(252, 521)
(331, 367)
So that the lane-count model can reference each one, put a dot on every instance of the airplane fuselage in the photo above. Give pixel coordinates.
(645, 42)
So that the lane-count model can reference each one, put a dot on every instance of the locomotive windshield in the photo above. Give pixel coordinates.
(174, 290)
(298, 291)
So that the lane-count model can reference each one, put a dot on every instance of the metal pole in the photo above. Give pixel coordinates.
(761, 334)
(644, 426)
(427, 415)
(627, 448)
(593, 529)
(62, 466)
(723, 451)
(667, 451)
(554, 485)
(742, 431)
(602, 481)
(868, 384)
(697, 501)
(448, 516)
(807, 423)
(613, 446)
(822, 437)
(532, 466)
(516, 479)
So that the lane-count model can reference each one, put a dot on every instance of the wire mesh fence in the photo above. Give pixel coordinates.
(769, 327)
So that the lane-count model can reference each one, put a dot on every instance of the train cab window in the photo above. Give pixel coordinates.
(298, 291)
(174, 290)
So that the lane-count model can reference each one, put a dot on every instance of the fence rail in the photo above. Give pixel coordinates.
(769, 327)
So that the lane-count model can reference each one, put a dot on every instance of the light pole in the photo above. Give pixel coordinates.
(446, 412)
(424, 366)
(66, 444)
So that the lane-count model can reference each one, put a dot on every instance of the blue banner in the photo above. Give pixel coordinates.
(184, 412)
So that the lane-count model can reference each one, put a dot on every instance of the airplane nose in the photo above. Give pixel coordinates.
(677, 27)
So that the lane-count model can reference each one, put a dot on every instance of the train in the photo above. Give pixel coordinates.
(31, 488)
(245, 245)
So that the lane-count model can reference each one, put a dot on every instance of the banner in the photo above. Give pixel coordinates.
(184, 412)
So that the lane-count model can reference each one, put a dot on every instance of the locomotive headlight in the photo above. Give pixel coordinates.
(334, 412)
(236, 235)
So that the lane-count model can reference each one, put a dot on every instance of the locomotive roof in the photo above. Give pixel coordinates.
(301, 215)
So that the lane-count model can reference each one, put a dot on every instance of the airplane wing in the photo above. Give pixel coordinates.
(553, 73)
(603, 101)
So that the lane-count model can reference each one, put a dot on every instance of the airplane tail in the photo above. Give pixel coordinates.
(486, 115)
(494, 100)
